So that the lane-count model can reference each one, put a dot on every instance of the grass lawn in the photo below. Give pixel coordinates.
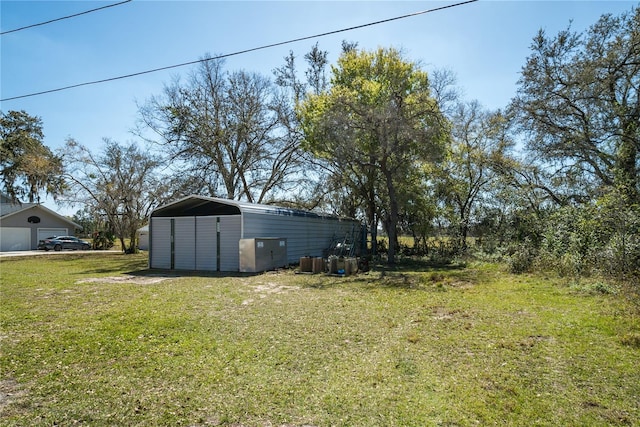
(83, 343)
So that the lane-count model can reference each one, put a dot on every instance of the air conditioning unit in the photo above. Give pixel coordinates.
(262, 254)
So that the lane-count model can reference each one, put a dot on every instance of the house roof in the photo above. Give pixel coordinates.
(201, 205)
(10, 209)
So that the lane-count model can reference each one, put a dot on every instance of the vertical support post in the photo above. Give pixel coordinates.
(218, 244)
(173, 243)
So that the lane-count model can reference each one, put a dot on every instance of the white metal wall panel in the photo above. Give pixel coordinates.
(160, 255)
(15, 239)
(184, 241)
(206, 243)
(230, 229)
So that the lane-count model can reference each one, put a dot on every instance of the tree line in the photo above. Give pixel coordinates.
(550, 179)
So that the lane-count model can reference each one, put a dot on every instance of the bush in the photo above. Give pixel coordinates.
(103, 240)
(522, 258)
(600, 238)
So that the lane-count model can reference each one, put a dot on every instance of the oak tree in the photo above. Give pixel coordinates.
(27, 166)
(578, 104)
(376, 123)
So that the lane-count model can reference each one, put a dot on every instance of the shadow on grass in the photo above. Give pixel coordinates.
(158, 272)
(417, 265)
(408, 274)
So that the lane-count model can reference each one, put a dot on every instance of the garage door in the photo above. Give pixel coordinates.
(43, 233)
(15, 239)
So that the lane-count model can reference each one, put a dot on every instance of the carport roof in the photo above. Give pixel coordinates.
(211, 206)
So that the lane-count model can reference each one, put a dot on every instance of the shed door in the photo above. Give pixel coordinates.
(185, 243)
(206, 243)
(160, 243)
(15, 239)
(230, 243)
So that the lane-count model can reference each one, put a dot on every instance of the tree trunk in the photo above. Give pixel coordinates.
(626, 174)
(392, 224)
(133, 243)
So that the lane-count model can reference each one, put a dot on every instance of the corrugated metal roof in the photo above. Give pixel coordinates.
(195, 205)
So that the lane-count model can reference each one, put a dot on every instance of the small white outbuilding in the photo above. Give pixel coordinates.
(204, 233)
(143, 238)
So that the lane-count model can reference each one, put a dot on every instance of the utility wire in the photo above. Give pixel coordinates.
(62, 18)
(240, 52)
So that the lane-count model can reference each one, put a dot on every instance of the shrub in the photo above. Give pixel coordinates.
(522, 258)
(103, 240)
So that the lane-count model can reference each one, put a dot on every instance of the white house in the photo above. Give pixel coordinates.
(23, 224)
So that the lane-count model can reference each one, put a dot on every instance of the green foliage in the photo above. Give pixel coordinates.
(521, 258)
(466, 176)
(578, 103)
(602, 238)
(27, 166)
(103, 240)
(377, 124)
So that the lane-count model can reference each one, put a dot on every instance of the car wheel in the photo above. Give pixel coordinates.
(57, 248)
(46, 249)
(86, 247)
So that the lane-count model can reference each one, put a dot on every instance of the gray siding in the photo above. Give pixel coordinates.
(230, 227)
(306, 236)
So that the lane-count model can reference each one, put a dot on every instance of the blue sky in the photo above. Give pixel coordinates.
(484, 43)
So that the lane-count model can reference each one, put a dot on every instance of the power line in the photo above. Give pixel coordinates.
(62, 18)
(240, 52)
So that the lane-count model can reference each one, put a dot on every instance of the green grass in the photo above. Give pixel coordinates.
(416, 346)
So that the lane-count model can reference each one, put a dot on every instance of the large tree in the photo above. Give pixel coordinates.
(119, 183)
(27, 166)
(578, 101)
(376, 123)
(227, 133)
(479, 143)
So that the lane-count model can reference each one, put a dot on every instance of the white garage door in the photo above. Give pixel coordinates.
(15, 239)
(43, 233)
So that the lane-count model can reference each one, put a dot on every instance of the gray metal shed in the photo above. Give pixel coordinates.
(203, 233)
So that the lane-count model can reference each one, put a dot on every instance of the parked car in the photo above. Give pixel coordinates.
(58, 243)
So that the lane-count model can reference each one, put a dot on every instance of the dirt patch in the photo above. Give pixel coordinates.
(274, 288)
(10, 391)
(265, 289)
(134, 280)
